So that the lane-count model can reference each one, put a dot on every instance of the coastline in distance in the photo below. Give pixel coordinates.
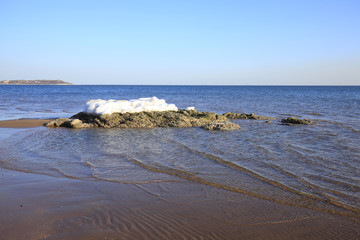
(34, 82)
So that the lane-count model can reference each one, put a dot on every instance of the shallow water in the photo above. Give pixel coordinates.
(315, 166)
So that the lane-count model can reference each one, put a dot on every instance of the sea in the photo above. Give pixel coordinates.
(313, 166)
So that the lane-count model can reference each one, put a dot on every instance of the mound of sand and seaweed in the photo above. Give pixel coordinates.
(181, 118)
(150, 113)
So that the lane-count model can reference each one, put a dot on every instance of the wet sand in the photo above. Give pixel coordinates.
(23, 123)
(34, 206)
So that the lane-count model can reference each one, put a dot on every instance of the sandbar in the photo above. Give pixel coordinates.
(23, 123)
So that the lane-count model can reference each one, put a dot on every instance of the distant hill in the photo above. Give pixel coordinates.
(34, 82)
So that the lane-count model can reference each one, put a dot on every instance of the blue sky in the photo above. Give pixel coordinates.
(182, 42)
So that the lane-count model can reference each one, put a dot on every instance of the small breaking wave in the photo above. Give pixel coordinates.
(281, 172)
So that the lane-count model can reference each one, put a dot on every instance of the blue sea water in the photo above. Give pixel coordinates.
(314, 166)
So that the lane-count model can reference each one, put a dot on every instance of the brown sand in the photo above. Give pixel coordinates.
(34, 206)
(23, 123)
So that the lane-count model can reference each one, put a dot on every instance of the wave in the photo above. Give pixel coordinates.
(139, 156)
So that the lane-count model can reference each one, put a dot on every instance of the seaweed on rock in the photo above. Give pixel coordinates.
(181, 118)
(295, 121)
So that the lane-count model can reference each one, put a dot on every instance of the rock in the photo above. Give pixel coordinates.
(221, 126)
(253, 116)
(60, 122)
(231, 115)
(294, 121)
(180, 118)
(67, 122)
(77, 123)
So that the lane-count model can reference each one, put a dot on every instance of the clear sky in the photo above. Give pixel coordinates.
(253, 42)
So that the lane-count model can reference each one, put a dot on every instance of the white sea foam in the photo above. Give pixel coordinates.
(100, 106)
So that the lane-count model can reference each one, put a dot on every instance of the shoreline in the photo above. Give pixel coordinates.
(61, 208)
(23, 123)
(34, 82)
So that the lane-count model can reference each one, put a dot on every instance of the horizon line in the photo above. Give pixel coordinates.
(230, 85)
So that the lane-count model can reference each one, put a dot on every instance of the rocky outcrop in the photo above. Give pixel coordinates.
(253, 116)
(294, 121)
(180, 118)
(221, 126)
(67, 122)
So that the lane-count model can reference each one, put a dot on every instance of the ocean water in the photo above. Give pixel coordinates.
(314, 166)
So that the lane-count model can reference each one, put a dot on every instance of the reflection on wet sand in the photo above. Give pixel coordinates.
(42, 207)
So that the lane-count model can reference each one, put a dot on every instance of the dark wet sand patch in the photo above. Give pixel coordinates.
(34, 206)
(23, 123)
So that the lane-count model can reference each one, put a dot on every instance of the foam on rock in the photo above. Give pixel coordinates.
(100, 106)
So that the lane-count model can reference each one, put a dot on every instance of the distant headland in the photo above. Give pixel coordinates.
(34, 82)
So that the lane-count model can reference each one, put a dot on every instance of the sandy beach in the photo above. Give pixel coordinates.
(36, 206)
(41, 207)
